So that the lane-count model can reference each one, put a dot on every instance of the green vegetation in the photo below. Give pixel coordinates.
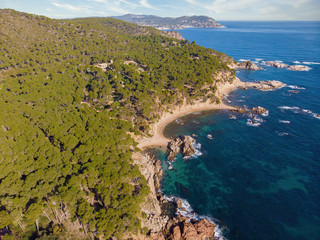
(65, 151)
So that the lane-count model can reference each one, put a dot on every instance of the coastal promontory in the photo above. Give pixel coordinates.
(171, 23)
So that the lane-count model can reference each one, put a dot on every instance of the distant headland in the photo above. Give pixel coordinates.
(166, 23)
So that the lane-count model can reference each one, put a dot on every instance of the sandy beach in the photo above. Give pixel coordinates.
(158, 139)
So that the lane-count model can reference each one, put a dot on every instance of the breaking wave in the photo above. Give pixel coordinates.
(295, 87)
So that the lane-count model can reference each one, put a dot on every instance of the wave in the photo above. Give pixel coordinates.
(265, 114)
(299, 110)
(283, 134)
(227, 99)
(311, 63)
(198, 153)
(244, 60)
(295, 87)
(253, 123)
(187, 211)
(258, 59)
(296, 62)
(284, 121)
(288, 108)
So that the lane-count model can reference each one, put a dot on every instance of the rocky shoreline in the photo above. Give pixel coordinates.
(163, 216)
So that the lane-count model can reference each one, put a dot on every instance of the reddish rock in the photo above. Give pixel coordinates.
(204, 228)
(188, 231)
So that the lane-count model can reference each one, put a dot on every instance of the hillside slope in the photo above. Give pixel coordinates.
(66, 122)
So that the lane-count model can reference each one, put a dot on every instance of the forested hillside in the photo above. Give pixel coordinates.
(65, 148)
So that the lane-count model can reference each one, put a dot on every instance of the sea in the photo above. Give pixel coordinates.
(256, 181)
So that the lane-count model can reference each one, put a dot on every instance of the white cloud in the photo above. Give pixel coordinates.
(144, 3)
(70, 7)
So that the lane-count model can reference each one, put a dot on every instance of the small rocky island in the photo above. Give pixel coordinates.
(278, 64)
(171, 23)
(183, 144)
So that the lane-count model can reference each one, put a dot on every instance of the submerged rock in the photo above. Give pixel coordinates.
(183, 144)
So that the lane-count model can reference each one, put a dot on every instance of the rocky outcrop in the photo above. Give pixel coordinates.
(183, 144)
(289, 67)
(298, 68)
(174, 34)
(247, 65)
(275, 64)
(263, 85)
(258, 110)
(182, 228)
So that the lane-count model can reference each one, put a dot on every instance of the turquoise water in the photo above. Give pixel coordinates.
(259, 182)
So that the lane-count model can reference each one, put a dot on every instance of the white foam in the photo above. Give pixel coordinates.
(295, 87)
(284, 121)
(311, 63)
(243, 60)
(317, 116)
(283, 134)
(296, 62)
(257, 119)
(198, 153)
(252, 124)
(258, 59)
(265, 114)
(306, 111)
(227, 99)
(288, 108)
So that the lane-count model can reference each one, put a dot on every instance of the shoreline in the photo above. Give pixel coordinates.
(158, 138)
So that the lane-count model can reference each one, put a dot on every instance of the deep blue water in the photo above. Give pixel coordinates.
(259, 182)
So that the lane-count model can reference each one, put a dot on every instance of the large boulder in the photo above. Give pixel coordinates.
(183, 144)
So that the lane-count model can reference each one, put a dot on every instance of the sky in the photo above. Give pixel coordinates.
(217, 9)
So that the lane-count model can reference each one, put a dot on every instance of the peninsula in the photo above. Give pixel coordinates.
(166, 23)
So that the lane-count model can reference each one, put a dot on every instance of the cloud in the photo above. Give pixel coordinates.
(144, 3)
(68, 6)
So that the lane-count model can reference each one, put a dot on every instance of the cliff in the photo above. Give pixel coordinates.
(171, 23)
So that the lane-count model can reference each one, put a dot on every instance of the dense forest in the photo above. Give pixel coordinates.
(66, 124)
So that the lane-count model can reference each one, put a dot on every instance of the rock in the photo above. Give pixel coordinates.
(204, 228)
(209, 136)
(258, 110)
(275, 64)
(298, 68)
(176, 233)
(248, 65)
(266, 85)
(174, 34)
(187, 146)
(188, 231)
(183, 144)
